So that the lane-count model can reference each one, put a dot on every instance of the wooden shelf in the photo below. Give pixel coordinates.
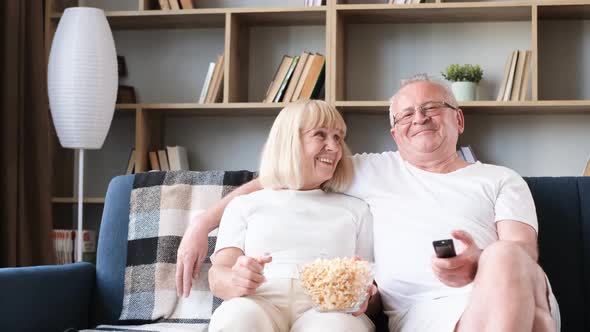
(564, 11)
(212, 17)
(284, 16)
(74, 200)
(436, 12)
(482, 107)
(213, 109)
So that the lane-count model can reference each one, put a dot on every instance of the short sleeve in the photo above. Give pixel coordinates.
(364, 239)
(515, 201)
(232, 228)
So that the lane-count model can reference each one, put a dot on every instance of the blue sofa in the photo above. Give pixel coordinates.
(55, 298)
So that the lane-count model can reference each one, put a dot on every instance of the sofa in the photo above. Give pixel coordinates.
(81, 295)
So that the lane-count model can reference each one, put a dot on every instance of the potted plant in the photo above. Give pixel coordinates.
(464, 80)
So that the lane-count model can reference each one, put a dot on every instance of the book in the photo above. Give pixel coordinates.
(163, 160)
(65, 246)
(283, 87)
(177, 158)
(527, 74)
(164, 4)
(308, 64)
(207, 82)
(186, 4)
(510, 80)
(280, 74)
(216, 73)
(460, 153)
(313, 76)
(88, 245)
(217, 92)
(500, 96)
(295, 77)
(154, 165)
(318, 89)
(131, 162)
(518, 75)
(174, 4)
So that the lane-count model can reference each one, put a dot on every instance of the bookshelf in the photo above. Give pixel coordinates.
(368, 45)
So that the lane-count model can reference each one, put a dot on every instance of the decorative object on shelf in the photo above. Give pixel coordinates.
(82, 85)
(126, 95)
(121, 66)
(464, 80)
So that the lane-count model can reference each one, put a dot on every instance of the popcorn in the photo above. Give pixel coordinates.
(338, 284)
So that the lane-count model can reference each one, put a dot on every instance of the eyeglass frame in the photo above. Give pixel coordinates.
(422, 110)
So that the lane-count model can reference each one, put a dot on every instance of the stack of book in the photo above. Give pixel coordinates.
(299, 77)
(212, 91)
(65, 246)
(173, 158)
(313, 3)
(517, 74)
(176, 4)
(466, 153)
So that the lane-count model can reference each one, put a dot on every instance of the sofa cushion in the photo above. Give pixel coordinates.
(161, 207)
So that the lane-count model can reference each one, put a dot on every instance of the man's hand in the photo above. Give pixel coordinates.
(460, 270)
(191, 255)
(247, 274)
(372, 290)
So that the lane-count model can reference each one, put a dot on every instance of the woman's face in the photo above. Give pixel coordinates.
(322, 150)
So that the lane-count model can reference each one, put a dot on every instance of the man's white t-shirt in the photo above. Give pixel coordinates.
(296, 227)
(412, 207)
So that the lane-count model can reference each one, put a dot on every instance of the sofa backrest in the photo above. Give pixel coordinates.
(563, 209)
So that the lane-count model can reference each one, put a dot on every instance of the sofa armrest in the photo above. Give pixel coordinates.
(46, 298)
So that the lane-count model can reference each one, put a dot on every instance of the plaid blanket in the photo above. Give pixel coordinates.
(162, 206)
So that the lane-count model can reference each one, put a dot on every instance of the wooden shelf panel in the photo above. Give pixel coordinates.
(233, 109)
(436, 12)
(281, 16)
(482, 107)
(564, 11)
(212, 18)
(74, 200)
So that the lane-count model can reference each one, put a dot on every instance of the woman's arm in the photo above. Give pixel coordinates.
(233, 274)
(193, 246)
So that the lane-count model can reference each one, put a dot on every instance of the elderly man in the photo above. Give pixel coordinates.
(425, 192)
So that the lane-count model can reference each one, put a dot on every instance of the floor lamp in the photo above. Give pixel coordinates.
(82, 85)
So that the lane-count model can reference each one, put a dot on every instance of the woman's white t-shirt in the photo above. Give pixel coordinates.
(295, 227)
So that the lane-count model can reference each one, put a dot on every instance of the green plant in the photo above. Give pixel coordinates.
(458, 73)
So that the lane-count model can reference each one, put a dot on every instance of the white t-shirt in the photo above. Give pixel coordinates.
(295, 227)
(412, 207)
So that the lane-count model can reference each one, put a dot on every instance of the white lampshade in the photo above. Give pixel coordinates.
(82, 78)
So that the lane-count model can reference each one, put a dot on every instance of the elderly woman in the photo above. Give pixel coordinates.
(298, 216)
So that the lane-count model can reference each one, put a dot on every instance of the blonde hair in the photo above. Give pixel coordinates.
(281, 164)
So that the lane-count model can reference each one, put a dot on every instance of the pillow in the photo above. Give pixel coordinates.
(162, 206)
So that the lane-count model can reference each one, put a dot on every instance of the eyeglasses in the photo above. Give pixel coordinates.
(429, 108)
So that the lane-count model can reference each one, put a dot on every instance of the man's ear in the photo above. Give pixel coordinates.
(392, 132)
(460, 121)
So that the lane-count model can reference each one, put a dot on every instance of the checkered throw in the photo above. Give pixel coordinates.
(162, 206)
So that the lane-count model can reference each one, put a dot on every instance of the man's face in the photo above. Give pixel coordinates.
(426, 134)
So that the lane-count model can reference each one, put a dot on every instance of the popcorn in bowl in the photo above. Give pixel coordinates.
(338, 284)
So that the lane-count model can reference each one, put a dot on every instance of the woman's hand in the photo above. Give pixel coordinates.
(372, 290)
(247, 274)
(190, 256)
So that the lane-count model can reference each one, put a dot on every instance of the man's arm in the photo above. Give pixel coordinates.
(193, 247)
(520, 233)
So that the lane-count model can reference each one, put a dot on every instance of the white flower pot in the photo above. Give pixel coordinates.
(464, 91)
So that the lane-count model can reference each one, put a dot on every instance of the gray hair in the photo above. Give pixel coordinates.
(422, 78)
